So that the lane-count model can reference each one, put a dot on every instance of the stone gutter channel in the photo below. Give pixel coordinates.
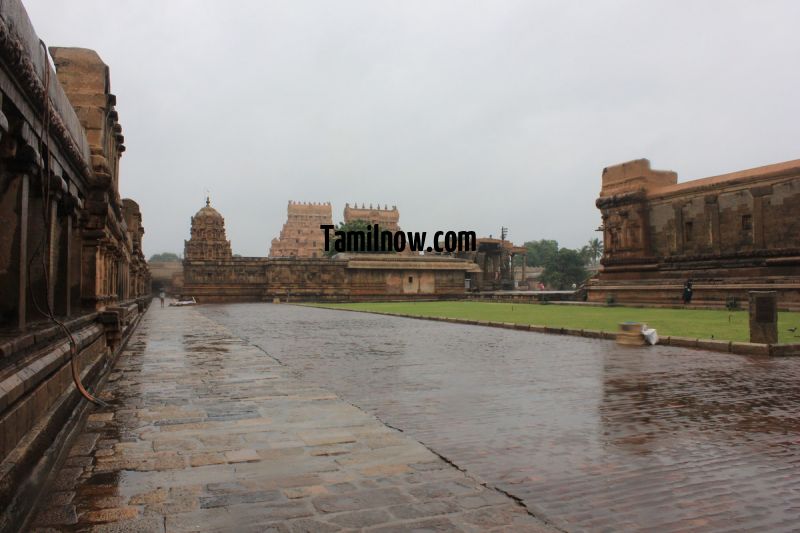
(714, 345)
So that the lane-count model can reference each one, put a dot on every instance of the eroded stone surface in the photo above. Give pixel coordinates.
(208, 433)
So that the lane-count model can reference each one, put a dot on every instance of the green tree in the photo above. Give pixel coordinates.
(353, 225)
(586, 254)
(164, 257)
(595, 249)
(539, 252)
(563, 269)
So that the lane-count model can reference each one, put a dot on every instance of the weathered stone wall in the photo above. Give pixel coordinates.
(322, 279)
(70, 248)
(306, 279)
(729, 234)
(239, 279)
(40, 406)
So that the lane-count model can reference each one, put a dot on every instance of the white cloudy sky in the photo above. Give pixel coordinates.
(467, 115)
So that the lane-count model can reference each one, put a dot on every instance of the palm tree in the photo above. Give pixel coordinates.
(586, 254)
(595, 247)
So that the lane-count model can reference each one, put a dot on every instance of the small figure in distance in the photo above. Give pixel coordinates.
(687, 292)
(161, 296)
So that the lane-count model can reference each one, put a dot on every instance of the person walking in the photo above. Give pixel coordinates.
(687, 292)
(161, 295)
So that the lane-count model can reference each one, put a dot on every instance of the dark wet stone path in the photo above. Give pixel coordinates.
(205, 432)
(589, 435)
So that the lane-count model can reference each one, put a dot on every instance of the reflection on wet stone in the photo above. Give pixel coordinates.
(207, 433)
(587, 434)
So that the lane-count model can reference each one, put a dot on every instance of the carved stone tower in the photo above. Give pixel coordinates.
(300, 235)
(208, 242)
(387, 219)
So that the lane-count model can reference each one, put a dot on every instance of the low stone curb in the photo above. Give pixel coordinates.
(712, 345)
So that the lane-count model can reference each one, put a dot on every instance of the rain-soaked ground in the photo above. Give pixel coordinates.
(589, 435)
(205, 432)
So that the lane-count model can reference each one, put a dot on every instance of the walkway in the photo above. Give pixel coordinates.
(208, 433)
(589, 435)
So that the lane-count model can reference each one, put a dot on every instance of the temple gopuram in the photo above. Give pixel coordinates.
(300, 235)
(212, 274)
(73, 278)
(386, 219)
(727, 234)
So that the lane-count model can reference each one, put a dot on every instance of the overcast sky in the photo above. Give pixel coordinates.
(466, 115)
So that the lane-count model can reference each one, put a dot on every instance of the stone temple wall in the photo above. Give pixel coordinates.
(345, 278)
(729, 234)
(70, 247)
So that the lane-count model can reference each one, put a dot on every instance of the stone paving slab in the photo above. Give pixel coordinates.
(207, 433)
(587, 434)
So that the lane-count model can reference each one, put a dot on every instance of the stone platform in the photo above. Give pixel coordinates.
(206, 432)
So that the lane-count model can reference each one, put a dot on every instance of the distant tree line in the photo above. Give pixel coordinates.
(164, 257)
(562, 266)
(168, 257)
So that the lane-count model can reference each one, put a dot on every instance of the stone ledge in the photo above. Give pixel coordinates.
(783, 350)
(44, 420)
(31, 339)
(750, 348)
(712, 345)
(41, 364)
(683, 342)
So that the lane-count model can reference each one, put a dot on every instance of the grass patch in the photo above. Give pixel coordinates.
(693, 323)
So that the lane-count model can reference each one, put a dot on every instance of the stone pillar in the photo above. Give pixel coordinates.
(764, 316)
(643, 214)
(52, 242)
(712, 215)
(68, 266)
(37, 268)
(758, 214)
(23, 252)
(91, 273)
(679, 236)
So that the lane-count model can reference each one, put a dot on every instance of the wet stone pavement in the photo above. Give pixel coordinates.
(589, 435)
(206, 432)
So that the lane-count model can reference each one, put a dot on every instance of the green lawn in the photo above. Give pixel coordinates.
(694, 323)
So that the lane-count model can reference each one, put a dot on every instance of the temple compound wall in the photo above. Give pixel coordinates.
(728, 234)
(70, 251)
(300, 235)
(212, 274)
(166, 276)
